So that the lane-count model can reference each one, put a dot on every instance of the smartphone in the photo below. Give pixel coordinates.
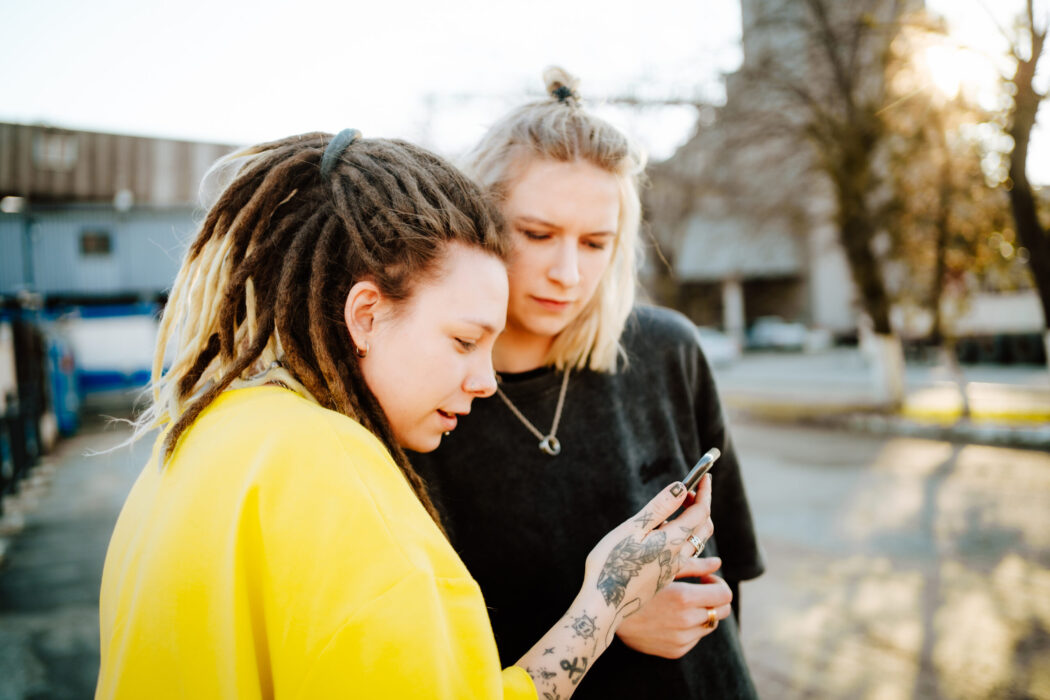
(692, 479)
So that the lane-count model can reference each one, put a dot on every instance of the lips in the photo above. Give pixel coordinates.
(449, 420)
(552, 304)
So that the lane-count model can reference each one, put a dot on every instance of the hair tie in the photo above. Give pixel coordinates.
(563, 93)
(335, 149)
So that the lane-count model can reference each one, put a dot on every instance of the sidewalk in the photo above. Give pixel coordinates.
(1010, 405)
(55, 532)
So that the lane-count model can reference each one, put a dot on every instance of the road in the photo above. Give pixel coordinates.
(897, 568)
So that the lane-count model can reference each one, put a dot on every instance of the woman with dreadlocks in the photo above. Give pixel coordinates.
(598, 401)
(338, 306)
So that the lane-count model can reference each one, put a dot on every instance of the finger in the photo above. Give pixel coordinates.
(687, 523)
(703, 493)
(704, 622)
(661, 507)
(692, 542)
(699, 567)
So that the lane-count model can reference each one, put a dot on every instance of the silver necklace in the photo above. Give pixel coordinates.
(548, 443)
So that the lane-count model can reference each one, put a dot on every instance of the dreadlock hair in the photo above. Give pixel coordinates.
(558, 128)
(265, 281)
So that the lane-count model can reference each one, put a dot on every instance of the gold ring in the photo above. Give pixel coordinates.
(698, 545)
(712, 619)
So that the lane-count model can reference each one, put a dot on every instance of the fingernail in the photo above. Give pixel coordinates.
(677, 488)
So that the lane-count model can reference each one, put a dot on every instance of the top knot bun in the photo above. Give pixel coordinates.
(561, 84)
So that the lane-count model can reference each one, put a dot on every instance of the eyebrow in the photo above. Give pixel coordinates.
(541, 222)
(483, 325)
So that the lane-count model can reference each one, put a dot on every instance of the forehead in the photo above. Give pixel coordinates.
(470, 284)
(572, 194)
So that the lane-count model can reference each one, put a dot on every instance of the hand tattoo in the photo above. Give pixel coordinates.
(625, 562)
(666, 569)
(686, 531)
(644, 519)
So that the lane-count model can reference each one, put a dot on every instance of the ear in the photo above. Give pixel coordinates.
(363, 304)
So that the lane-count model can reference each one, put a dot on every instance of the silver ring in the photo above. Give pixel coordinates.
(698, 544)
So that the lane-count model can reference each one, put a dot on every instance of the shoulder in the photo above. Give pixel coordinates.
(269, 434)
(655, 325)
(274, 415)
(310, 469)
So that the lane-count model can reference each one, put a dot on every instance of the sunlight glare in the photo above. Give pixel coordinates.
(953, 70)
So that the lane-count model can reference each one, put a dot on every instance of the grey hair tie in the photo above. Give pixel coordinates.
(335, 149)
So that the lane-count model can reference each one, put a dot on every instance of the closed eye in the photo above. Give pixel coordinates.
(467, 345)
(534, 235)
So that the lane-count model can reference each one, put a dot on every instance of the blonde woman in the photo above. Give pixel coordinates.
(599, 400)
(338, 306)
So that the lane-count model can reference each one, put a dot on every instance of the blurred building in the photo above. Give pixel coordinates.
(746, 221)
(92, 217)
(92, 230)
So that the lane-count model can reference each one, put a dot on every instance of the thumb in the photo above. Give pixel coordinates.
(692, 568)
(661, 507)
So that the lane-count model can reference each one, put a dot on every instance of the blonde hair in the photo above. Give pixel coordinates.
(559, 129)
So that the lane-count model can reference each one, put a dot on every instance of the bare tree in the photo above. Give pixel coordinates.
(832, 96)
(814, 82)
(1026, 49)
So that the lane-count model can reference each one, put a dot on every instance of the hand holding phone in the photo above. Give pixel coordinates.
(703, 465)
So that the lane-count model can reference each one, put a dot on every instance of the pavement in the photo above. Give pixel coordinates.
(1008, 405)
(896, 567)
(54, 534)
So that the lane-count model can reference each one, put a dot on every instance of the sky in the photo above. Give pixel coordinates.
(429, 71)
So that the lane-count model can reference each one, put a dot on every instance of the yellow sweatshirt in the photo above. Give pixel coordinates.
(281, 553)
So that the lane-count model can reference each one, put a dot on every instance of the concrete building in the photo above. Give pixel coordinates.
(746, 222)
(744, 218)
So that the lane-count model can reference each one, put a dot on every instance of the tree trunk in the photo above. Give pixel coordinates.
(856, 234)
(1030, 232)
(887, 369)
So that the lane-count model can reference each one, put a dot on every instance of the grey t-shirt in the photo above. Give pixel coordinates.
(524, 521)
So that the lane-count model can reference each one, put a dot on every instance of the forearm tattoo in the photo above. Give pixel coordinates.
(585, 636)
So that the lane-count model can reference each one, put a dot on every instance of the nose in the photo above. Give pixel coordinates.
(565, 268)
(482, 381)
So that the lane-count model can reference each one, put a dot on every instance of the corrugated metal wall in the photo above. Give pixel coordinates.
(48, 164)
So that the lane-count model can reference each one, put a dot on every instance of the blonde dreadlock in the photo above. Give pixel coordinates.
(267, 276)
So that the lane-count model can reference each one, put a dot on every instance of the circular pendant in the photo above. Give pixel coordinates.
(550, 445)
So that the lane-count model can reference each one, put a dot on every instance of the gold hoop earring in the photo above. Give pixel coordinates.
(361, 353)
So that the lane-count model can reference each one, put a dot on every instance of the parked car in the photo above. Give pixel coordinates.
(774, 333)
(719, 348)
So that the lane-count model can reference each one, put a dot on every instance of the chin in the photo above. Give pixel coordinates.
(547, 327)
(422, 443)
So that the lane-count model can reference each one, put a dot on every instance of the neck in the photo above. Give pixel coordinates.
(520, 352)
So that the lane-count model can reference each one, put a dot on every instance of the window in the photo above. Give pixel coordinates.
(55, 151)
(95, 243)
